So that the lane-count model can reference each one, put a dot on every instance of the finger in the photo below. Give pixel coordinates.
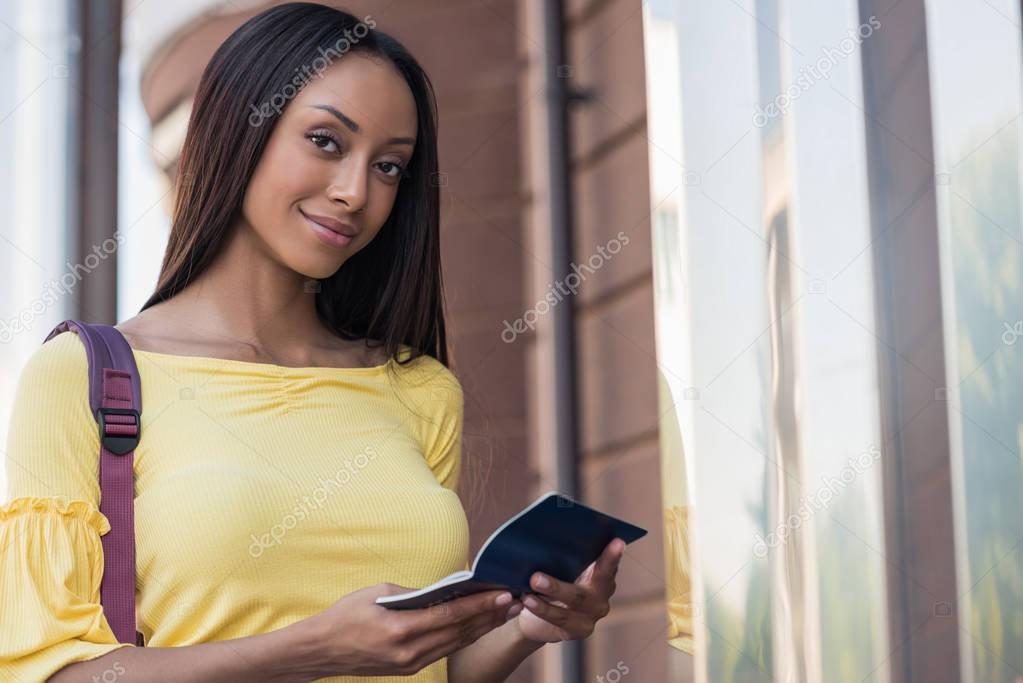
(564, 617)
(455, 611)
(606, 566)
(443, 641)
(460, 635)
(573, 595)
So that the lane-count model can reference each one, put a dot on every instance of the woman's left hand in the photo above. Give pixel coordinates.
(569, 611)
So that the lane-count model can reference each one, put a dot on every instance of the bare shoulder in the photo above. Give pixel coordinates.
(150, 330)
(159, 330)
(130, 330)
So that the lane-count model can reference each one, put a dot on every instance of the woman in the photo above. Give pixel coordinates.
(302, 431)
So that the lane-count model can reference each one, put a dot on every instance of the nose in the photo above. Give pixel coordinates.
(349, 187)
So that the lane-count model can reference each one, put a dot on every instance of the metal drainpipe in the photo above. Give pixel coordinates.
(562, 348)
(95, 75)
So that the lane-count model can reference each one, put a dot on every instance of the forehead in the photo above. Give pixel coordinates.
(367, 89)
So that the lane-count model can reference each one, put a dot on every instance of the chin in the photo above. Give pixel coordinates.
(310, 267)
(321, 272)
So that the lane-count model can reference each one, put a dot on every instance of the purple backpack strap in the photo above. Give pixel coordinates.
(115, 398)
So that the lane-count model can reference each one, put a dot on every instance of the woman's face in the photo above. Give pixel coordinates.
(335, 154)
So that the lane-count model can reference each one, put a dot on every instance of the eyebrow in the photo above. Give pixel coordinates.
(354, 127)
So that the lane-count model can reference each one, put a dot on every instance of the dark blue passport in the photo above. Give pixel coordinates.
(554, 535)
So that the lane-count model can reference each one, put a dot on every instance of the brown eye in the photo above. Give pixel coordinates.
(393, 170)
(324, 142)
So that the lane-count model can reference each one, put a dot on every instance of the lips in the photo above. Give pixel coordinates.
(332, 224)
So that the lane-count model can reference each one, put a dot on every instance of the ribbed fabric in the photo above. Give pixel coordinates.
(263, 495)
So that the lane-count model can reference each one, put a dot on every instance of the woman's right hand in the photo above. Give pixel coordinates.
(358, 637)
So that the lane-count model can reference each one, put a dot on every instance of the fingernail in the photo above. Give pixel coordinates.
(514, 611)
(531, 602)
(542, 582)
(503, 599)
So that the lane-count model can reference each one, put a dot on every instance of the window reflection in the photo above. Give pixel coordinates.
(710, 270)
(764, 302)
(977, 105)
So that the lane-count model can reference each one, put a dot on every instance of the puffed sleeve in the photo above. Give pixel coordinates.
(51, 554)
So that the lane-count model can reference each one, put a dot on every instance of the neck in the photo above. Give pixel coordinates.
(248, 295)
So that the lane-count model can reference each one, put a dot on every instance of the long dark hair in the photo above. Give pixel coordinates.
(389, 293)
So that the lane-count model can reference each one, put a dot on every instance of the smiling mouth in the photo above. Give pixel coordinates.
(332, 224)
(326, 234)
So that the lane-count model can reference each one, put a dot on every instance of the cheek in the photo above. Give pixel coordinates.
(381, 204)
(282, 177)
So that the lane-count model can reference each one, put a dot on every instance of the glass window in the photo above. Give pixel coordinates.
(838, 413)
(770, 432)
(974, 59)
(37, 55)
(709, 275)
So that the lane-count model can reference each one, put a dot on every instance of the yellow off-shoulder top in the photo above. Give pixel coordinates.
(264, 493)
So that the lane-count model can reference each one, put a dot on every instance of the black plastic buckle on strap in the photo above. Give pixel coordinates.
(119, 444)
